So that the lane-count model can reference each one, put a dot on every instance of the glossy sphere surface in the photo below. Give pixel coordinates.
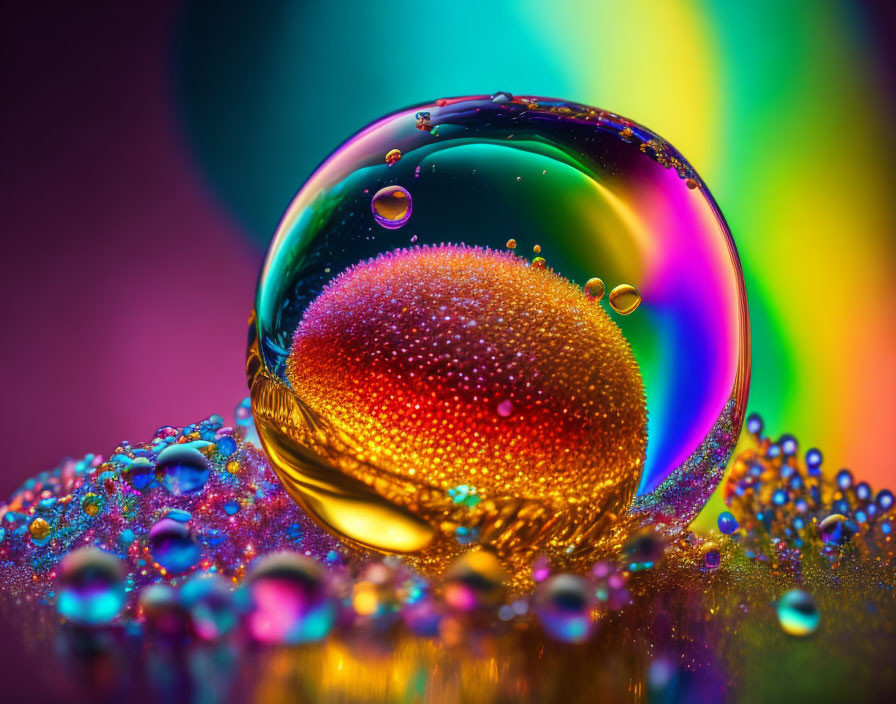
(290, 603)
(531, 185)
(91, 587)
(797, 613)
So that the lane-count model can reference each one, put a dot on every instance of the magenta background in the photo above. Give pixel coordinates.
(124, 284)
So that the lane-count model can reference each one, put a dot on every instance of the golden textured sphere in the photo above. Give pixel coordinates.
(445, 396)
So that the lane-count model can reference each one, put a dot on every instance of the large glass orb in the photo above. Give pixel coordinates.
(503, 321)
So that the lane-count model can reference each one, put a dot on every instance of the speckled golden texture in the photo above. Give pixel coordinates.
(429, 369)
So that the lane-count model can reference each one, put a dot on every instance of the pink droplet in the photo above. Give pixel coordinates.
(505, 408)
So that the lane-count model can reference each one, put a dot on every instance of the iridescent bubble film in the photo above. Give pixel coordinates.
(590, 197)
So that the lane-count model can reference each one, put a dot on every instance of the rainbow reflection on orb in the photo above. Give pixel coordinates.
(576, 193)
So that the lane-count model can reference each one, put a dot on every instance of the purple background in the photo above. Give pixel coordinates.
(124, 284)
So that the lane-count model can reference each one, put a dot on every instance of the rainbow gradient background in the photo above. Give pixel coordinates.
(149, 153)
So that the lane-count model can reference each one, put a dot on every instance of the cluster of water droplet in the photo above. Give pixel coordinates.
(149, 537)
(787, 502)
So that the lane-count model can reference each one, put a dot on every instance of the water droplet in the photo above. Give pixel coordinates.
(643, 550)
(813, 457)
(162, 612)
(789, 444)
(844, 479)
(755, 424)
(91, 587)
(226, 446)
(505, 408)
(691, 183)
(181, 470)
(863, 491)
(711, 556)
(563, 605)
(231, 507)
(476, 581)
(595, 289)
(140, 474)
(40, 531)
(511, 244)
(290, 602)
(177, 514)
(391, 207)
(797, 613)
(340, 236)
(537, 249)
(727, 522)
(172, 546)
(210, 603)
(92, 504)
(625, 299)
(836, 529)
(243, 413)
(501, 97)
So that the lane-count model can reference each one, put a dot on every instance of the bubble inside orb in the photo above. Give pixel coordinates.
(391, 207)
(439, 321)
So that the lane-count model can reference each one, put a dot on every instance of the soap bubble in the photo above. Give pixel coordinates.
(797, 613)
(604, 198)
(91, 587)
